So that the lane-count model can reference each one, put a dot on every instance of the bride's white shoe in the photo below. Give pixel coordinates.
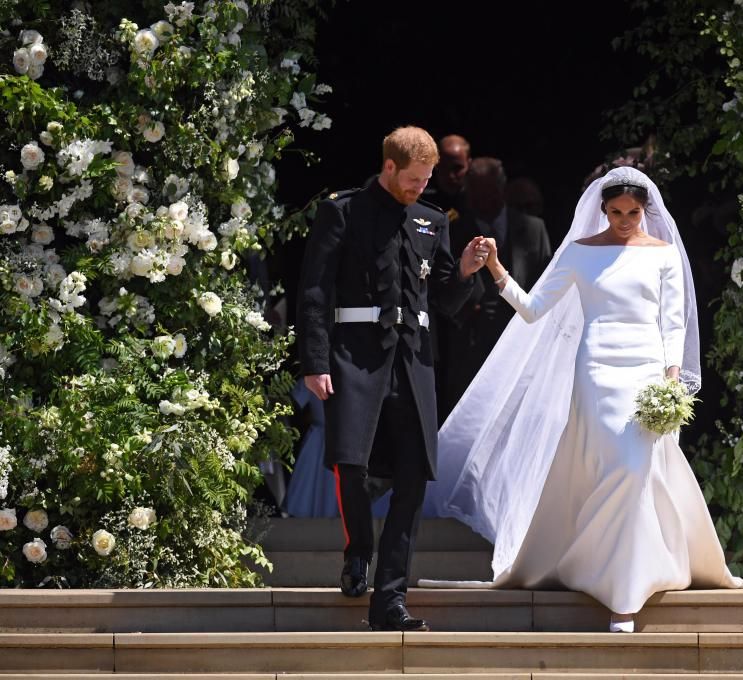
(621, 626)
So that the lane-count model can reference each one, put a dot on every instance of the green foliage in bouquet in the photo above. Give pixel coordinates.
(140, 385)
(692, 100)
(664, 407)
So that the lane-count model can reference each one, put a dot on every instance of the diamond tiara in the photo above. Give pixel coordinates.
(624, 182)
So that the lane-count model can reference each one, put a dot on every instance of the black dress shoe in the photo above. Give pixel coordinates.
(398, 618)
(353, 577)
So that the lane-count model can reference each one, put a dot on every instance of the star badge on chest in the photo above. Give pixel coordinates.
(425, 269)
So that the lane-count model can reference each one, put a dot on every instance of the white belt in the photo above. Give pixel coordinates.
(371, 315)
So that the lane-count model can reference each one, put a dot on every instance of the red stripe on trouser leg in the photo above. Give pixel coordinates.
(337, 473)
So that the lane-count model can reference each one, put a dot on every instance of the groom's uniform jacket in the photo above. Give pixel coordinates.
(367, 250)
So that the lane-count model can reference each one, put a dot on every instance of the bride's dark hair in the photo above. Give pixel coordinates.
(640, 194)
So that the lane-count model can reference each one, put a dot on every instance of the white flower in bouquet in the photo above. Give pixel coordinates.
(121, 187)
(21, 61)
(125, 167)
(228, 260)
(103, 542)
(8, 519)
(146, 42)
(268, 173)
(175, 186)
(168, 408)
(78, 155)
(290, 65)
(141, 264)
(46, 138)
(46, 183)
(138, 194)
(32, 156)
(140, 240)
(5, 459)
(299, 101)
(54, 274)
(229, 228)
(321, 122)
(38, 54)
(8, 226)
(210, 303)
(664, 407)
(736, 272)
(36, 520)
(179, 14)
(163, 30)
(207, 241)
(35, 71)
(175, 265)
(180, 345)
(29, 36)
(28, 286)
(163, 346)
(141, 518)
(35, 551)
(54, 337)
(154, 131)
(61, 537)
(306, 116)
(256, 320)
(178, 211)
(322, 88)
(42, 234)
(241, 210)
(231, 168)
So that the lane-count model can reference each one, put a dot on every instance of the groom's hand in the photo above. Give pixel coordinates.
(474, 256)
(320, 385)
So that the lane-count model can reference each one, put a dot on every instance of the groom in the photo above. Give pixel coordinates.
(373, 257)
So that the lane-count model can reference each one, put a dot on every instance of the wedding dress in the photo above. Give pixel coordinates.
(620, 515)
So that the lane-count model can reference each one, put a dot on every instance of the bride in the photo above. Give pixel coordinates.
(542, 455)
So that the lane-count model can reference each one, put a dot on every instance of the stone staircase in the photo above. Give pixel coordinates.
(292, 633)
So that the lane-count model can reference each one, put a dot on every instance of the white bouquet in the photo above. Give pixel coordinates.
(664, 407)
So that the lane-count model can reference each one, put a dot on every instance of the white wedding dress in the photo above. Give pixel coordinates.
(621, 515)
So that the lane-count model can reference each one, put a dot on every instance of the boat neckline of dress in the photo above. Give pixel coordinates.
(619, 245)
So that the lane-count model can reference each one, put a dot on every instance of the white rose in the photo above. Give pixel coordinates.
(736, 273)
(228, 260)
(178, 211)
(163, 346)
(103, 542)
(121, 187)
(138, 194)
(241, 210)
(207, 241)
(25, 285)
(141, 264)
(42, 233)
(38, 54)
(154, 132)
(139, 240)
(163, 30)
(35, 551)
(46, 138)
(8, 519)
(32, 156)
(35, 71)
(175, 265)
(141, 518)
(125, 167)
(54, 274)
(146, 41)
(8, 227)
(61, 537)
(21, 60)
(31, 37)
(232, 168)
(180, 345)
(54, 337)
(36, 520)
(210, 303)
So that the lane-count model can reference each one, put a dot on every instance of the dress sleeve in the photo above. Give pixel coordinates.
(533, 306)
(673, 330)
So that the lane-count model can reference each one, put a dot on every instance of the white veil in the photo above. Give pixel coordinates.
(496, 447)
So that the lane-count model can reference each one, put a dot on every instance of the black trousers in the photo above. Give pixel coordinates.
(399, 436)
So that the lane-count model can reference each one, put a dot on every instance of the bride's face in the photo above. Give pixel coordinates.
(625, 214)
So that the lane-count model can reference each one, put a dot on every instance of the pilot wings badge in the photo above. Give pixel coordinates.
(423, 228)
(425, 269)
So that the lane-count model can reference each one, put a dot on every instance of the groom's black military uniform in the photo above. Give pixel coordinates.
(369, 256)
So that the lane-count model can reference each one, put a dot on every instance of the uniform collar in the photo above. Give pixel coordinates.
(384, 197)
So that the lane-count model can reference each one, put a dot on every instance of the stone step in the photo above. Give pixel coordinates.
(295, 534)
(373, 653)
(318, 609)
(375, 676)
(322, 569)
